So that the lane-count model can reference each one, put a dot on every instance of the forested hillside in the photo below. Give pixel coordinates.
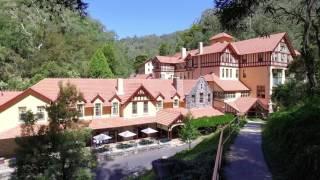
(37, 42)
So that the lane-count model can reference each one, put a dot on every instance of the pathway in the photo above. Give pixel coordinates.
(245, 160)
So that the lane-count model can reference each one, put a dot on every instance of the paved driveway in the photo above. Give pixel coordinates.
(245, 160)
(126, 165)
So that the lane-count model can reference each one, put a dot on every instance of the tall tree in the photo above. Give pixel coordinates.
(164, 49)
(99, 67)
(188, 132)
(57, 151)
(139, 60)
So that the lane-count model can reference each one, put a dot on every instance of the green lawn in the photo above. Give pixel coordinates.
(212, 121)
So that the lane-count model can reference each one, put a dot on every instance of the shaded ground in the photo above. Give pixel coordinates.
(245, 160)
(123, 166)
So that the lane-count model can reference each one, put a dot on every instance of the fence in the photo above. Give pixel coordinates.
(230, 129)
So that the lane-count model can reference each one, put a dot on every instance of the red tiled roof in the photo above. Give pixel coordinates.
(169, 59)
(243, 104)
(106, 88)
(5, 96)
(142, 76)
(256, 45)
(226, 85)
(220, 35)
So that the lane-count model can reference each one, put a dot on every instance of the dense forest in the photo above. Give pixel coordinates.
(35, 43)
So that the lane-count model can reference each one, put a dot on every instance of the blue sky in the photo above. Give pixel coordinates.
(144, 17)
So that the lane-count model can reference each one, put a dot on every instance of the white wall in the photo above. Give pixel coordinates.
(148, 67)
(127, 112)
(231, 76)
(9, 118)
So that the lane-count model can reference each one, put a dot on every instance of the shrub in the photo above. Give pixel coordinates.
(291, 141)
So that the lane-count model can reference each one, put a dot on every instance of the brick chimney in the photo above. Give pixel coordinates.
(120, 88)
(178, 85)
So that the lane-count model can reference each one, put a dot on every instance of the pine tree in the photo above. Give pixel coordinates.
(99, 67)
(164, 49)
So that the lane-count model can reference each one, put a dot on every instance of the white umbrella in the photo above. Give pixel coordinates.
(102, 137)
(149, 131)
(127, 134)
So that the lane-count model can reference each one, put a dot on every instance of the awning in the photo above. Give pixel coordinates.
(127, 134)
(102, 137)
(149, 131)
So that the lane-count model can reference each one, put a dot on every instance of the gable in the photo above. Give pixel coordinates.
(22, 96)
(201, 86)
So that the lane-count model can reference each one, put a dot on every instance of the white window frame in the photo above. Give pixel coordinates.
(159, 104)
(136, 109)
(81, 111)
(115, 108)
(22, 110)
(145, 107)
(176, 105)
(95, 109)
(41, 110)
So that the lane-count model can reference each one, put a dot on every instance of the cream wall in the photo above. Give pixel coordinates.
(127, 112)
(148, 67)
(256, 76)
(9, 118)
(231, 76)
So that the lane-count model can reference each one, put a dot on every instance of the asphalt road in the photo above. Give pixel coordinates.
(123, 166)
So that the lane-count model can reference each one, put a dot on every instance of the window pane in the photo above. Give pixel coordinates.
(201, 98)
(98, 109)
(115, 108)
(145, 107)
(134, 108)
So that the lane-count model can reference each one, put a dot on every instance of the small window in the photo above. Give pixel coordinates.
(261, 92)
(98, 110)
(40, 113)
(209, 97)
(145, 107)
(223, 72)
(22, 113)
(201, 98)
(176, 103)
(80, 108)
(134, 108)
(237, 73)
(227, 73)
(244, 75)
(231, 73)
(193, 98)
(115, 108)
(159, 105)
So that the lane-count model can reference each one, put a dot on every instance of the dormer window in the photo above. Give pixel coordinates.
(115, 108)
(80, 108)
(176, 103)
(159, 105)
(97, 109)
